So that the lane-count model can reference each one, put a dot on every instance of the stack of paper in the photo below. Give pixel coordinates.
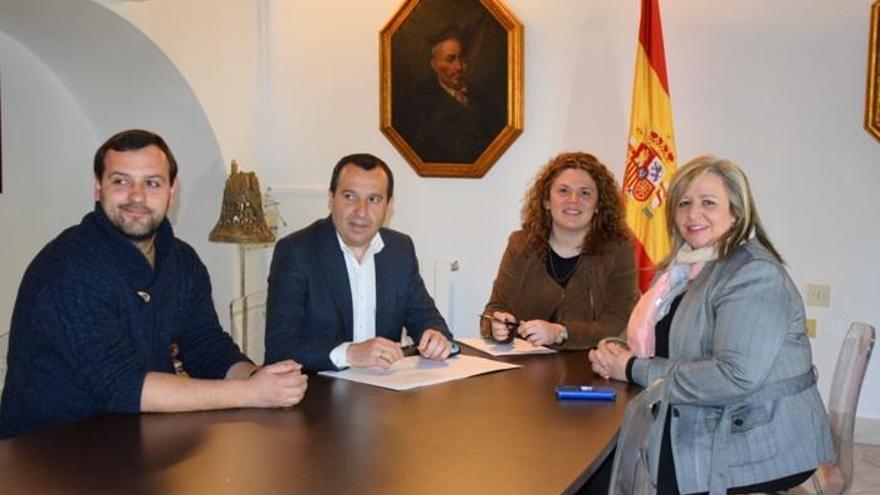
(415, 371)
(517, 347)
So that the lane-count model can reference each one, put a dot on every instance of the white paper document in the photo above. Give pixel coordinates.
(517, 347)
(415, 371)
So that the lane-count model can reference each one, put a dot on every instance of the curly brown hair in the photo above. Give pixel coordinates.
(608, 225)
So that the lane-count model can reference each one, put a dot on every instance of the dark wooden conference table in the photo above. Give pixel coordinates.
(502, 432)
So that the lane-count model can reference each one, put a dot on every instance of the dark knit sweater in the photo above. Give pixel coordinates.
(92, 317)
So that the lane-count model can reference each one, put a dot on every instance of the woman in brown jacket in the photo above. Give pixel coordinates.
(568, 278)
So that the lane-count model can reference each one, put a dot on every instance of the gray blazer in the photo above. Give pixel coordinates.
(739, 327)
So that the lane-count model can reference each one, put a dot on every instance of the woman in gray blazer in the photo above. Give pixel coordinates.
(721, 339)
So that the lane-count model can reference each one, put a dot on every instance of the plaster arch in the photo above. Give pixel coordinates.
(120, 79)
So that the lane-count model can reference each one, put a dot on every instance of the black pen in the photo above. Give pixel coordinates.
(512, 328)
(413, 350)
(510, 324)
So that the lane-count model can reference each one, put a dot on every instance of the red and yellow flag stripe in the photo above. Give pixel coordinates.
(651, 148)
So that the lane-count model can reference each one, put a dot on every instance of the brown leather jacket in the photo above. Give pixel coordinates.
(595, 304)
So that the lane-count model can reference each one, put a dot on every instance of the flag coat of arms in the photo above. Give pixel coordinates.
(650, 161)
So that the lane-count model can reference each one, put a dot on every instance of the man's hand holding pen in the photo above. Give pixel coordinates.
(381, 353)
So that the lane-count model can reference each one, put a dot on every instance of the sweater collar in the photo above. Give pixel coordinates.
(124, 253)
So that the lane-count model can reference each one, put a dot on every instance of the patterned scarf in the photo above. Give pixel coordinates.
(654, 304)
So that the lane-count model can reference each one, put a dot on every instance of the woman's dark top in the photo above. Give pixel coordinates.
(561, 269)
(667, 484)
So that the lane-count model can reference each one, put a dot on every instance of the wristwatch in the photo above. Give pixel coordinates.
(563, 335)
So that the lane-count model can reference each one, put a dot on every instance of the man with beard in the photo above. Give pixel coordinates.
(101, 306)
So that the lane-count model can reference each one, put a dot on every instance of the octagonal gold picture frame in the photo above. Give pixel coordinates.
(439, 130)
(872, 96)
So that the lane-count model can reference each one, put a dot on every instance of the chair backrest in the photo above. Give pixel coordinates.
(852, 362)
(248, 317)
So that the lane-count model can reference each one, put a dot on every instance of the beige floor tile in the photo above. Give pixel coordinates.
(866, 479)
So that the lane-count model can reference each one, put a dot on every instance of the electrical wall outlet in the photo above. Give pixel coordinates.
(818, 295)
(811, 328)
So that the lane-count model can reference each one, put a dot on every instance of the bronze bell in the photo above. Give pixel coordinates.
(241, 216)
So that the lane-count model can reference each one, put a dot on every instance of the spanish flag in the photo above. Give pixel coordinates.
(650, 160)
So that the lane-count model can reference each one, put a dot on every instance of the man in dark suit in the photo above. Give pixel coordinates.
(454, 121)
(342, 289)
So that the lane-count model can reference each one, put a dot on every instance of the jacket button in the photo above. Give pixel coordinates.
(738, 422)
(675, 412)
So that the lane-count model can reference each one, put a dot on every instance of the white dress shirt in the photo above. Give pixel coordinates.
(362, 280)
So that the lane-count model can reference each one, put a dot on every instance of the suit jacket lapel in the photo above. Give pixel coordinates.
(333, 267)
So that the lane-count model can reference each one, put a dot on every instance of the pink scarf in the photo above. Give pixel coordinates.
(654, 304)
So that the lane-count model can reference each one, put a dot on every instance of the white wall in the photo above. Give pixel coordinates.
(114, 78)
(46, 184)
(784, 95)
(290, 86)
(776, 86)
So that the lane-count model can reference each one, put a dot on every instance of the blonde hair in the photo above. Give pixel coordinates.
(742, 205)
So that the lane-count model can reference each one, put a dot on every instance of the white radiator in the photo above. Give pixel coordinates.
(439, 277)
(439, 281)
